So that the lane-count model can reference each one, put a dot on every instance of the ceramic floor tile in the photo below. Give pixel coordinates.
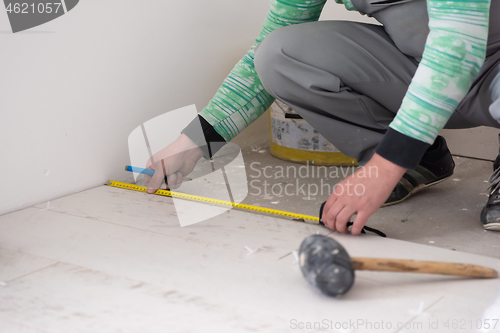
(65, 298)
(14, 264)
(215, 273)
(156, 213)
(259, 282)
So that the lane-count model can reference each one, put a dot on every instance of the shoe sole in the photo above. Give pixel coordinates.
(492, 226)
(420, 188)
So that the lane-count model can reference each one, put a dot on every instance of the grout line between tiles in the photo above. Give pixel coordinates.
(141, 282)
(35, 271)
(284, 256)
(416, 316)
(154, 232)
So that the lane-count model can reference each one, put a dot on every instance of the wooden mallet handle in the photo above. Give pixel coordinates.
(427, 267)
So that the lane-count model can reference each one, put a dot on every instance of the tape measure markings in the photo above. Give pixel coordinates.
(211, 200)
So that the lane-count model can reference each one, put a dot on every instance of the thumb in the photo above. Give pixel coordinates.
(156, 180)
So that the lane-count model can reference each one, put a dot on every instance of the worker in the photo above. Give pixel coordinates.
(379, 93)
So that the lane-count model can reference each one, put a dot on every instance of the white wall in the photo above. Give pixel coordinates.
(73, 89)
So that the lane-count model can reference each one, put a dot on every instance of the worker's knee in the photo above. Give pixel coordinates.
(269, 60)
(281, 53)
(288, 56)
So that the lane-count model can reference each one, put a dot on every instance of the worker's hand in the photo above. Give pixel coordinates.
(174, 161)
(361, 193)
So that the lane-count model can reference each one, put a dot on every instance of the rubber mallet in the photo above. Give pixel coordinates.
(327, 266)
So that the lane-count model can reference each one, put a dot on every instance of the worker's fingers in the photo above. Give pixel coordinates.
(343, 217)
(359, 222)
(175, 180)
(156, 180)
(331, 214)
(332, 199)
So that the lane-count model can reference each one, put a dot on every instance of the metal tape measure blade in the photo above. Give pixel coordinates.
(213, 201)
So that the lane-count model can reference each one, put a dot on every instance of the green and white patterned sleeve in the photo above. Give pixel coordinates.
(454, 53)
(242, 99)
(347, 3)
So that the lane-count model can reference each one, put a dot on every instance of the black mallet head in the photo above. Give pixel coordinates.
(326, 265)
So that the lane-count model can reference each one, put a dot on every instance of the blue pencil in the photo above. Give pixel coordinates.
(139, 170)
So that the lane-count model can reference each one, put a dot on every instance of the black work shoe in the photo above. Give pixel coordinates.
(436, 165)
(490, 215)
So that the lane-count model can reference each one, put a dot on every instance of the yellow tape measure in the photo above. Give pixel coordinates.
(213, 201)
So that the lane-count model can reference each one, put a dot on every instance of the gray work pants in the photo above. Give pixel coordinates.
(348, 79)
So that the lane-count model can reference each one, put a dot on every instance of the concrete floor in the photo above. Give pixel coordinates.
(445, 215)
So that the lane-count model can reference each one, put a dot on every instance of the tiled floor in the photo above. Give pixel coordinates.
(112, 260)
